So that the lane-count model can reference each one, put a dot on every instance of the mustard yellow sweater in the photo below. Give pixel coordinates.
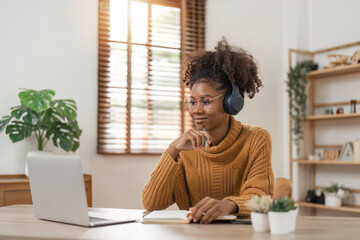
(236, 169)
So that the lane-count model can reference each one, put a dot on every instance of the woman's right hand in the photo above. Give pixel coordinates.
(191, 139)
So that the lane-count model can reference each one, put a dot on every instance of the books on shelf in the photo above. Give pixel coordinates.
(175, 216)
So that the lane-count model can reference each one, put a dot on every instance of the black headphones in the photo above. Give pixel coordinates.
(233, 101)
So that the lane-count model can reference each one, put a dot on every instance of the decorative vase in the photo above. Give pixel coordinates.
(260, 222)
(332, 200)
(279, 222)
(292, 222)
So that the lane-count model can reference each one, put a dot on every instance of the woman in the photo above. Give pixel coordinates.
(217, 167)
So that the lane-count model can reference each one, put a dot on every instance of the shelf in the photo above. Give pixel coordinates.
(332, 72)
(331, 117)
(324, 162)
(312, 169)
(345, 208)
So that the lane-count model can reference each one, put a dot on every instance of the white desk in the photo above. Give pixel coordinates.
(18, 222)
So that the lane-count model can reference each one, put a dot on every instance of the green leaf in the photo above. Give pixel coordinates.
(38, 101)
(62, 135)
(66, 108)
(46, 119)
(75, 130)
(18, 131)
(297, 95)
(281, 204)
(4, 122)
(75, 146)
(18, 111)
(30, 117)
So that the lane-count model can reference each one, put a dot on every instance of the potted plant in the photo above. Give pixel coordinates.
(293, 214)
(259, 206)
(296, 89)
(48, 119)
(279, 216)
(334, 194)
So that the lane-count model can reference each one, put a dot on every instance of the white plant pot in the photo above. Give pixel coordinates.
(332, 200)
(292, 222)
(279, 222)
(260, 222)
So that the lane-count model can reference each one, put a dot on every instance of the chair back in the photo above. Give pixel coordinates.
(282, 188)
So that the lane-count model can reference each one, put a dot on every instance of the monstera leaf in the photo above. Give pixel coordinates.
(75, 130)
(62, 134)
(4, 122)
(47, 119)
(65, 108)
(31, 117)
(18, 131)
(38, 101)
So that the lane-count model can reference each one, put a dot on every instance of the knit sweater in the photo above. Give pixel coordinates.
(238, 168)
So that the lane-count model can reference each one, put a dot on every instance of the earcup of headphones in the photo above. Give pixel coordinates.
(233, 101)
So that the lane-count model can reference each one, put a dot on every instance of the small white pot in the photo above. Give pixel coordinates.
(332, 200)
(292, 222)
(279, 222)
(260, 222)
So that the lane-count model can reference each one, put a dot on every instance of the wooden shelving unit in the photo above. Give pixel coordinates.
(331, 117)
(325, 162)
(311, 119)
(332, 72)
(345, 208)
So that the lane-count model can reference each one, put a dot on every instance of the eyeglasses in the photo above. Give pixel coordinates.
(206, 102)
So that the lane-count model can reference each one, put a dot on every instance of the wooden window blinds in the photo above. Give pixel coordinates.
(140, 96)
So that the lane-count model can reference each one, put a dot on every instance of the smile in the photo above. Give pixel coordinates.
(200, 120)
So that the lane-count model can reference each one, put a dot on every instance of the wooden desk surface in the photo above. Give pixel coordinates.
(18, 222)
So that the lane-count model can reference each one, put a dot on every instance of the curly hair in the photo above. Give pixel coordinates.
(224, 65)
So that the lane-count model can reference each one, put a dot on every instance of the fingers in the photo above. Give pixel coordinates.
(198, 210)
(208, 209)
(191, 139)
(194, 211)
(211, 214)
(205, 211)
(197, 138)
(200, 140)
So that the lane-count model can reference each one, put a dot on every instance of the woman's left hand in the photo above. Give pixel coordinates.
(209, 208)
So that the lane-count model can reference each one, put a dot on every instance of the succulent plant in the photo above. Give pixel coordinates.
(282, 204)
(260, 204)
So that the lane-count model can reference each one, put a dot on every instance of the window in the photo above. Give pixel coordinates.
(141, 44)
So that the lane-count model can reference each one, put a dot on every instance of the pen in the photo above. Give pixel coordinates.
(206, 142)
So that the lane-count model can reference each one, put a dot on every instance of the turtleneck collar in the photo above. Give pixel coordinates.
(230, 138)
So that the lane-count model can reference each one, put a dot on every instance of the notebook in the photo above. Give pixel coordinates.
(176, 216)
(58, 191)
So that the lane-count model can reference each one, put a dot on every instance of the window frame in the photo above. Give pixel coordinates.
(192, 30)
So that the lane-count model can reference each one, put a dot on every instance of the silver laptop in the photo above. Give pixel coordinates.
(58, 191)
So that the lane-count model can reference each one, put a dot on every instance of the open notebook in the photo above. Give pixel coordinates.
(175, 216)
